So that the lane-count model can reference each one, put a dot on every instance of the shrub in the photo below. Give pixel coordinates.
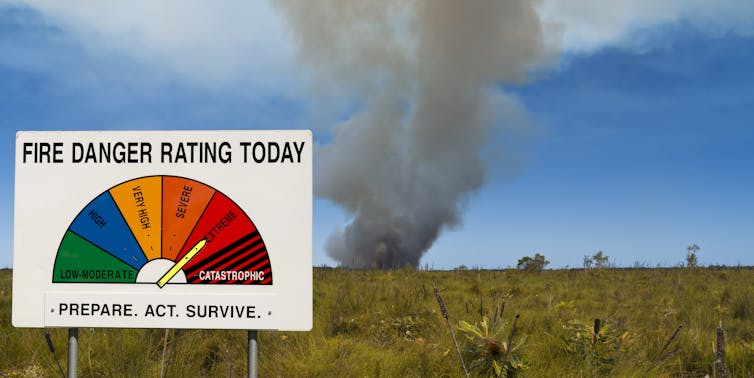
(535, 264)
(598, 260)
(598, 345)
(588, 261)
(487, 353)
(691, 260)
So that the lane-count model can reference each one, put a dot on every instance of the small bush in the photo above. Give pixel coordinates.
(535, 264)
(486, 352)
(691, 260)
(598, 260)
(598, 345)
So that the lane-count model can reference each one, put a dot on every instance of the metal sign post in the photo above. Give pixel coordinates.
(73, 351)
(251, 339)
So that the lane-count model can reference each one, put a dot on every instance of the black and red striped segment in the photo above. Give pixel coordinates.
(233, 245)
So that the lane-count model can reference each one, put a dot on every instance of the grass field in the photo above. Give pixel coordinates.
(388, 324)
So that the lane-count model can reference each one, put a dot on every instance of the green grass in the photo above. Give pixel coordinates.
(388, 323)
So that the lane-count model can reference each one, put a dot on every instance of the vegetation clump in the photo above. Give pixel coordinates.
(532, 264)
(598, 345)
(488, 354)
(691, 259)
(599, 260)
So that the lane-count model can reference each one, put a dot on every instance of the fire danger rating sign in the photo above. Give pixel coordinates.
(163, 229)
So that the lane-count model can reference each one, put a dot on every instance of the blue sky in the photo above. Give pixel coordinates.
(640, 139)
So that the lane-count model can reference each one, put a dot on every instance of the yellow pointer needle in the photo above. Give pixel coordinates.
(179, 265)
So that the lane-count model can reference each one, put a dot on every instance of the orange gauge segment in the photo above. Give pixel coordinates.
(183, 202)
(140, 203)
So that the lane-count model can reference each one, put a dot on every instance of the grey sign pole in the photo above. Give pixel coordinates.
(73, 352)
(252, 341)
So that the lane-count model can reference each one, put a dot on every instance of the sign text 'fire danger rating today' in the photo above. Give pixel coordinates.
(163, 152)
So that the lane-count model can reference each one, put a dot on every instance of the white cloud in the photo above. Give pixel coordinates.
(590, 24)
(211, 43)
(224, 42)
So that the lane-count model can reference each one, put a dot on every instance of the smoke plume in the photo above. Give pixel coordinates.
(424, 80)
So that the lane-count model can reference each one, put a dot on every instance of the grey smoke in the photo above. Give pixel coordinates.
(425, 78)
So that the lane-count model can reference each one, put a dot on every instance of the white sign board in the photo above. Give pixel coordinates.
(163, 229)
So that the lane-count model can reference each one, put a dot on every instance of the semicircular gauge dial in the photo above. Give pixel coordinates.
(163, 230)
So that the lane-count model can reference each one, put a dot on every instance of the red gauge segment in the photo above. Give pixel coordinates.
(233, 243)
